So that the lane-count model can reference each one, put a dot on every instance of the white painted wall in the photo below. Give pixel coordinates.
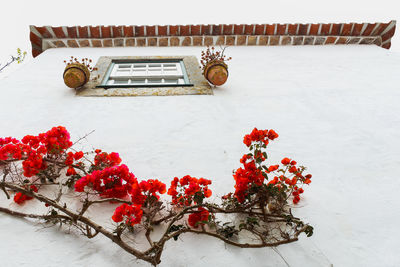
(336, 109)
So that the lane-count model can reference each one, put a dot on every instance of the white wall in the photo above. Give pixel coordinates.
(334, 107)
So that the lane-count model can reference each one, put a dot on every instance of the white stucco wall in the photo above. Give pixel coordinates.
(336, 109)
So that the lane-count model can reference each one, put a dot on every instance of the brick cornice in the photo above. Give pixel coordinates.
(46, 37)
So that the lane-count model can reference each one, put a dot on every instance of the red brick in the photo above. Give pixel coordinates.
(73, 43)
(270, 29)
(141, 41)
(71, 32)
(187, 41)
(241, 40)
(220, 40)
(94, 31)
(357, 29)
(95, 43)
(208, 41)
(107, 42)
(205, 29)
(139, 30)
(238, 29)
(342, 40)
(346, 30)
(130, 42)
(174, 41)
(228, 29)
(195, 29)
(230, 40)
(336, 28)
(368, 30)
(185, 30)
(83, 32)
(58, 31)
(173, 30)
(152, 41)
(330, 40)
(117, 31)
(298, 40)
(59, 43)
(248, 29)
(303, 29)
(309, 40)
(387, 46)
(319, 40)
(367, 40)
(128, 31)
(84, 43)
(252, 39)
(44, 32)
(380, 29)
(263, 40)
(389, 34)
(286, 40)
(217, 29)
(36, 52)
(35, 39)
(260, 29)
(292, 29)
(280, 29)
(354, 40)
(198, 40)
(325, 30)
(150, 30)
(162, 30)
(314, 29)
(105, 31)
(163, 41)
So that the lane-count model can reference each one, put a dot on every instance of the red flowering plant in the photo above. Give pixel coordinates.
(261, 202)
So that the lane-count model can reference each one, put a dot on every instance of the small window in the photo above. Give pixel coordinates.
(148, 73)
(146, 76)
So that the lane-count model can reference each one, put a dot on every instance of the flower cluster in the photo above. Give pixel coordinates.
(33, 149)
(145, 192)
(250, 179)
(84, 61)
(293, 184)
(212, 55)
(132, 214)
(104, 160)
(199, 217)
(69, 161)
(112, 182)
(189, 189)
(20, 198)
(259, 136)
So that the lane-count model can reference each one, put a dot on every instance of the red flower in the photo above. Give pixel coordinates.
(285, 161)
(131, 213)
(20, 198)
(273, 168)
(198, 217)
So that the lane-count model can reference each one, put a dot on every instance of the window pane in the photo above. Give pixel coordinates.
(121, 81)
(168, 65)
(171, 81)
(152, 65)
(125, 66)
(139, 66)
(154, 81)
(137, 81)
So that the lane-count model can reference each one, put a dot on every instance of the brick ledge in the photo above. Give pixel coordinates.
(46, 37)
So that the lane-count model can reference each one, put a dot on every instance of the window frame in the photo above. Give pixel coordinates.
(198, 84)
(104, 83)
